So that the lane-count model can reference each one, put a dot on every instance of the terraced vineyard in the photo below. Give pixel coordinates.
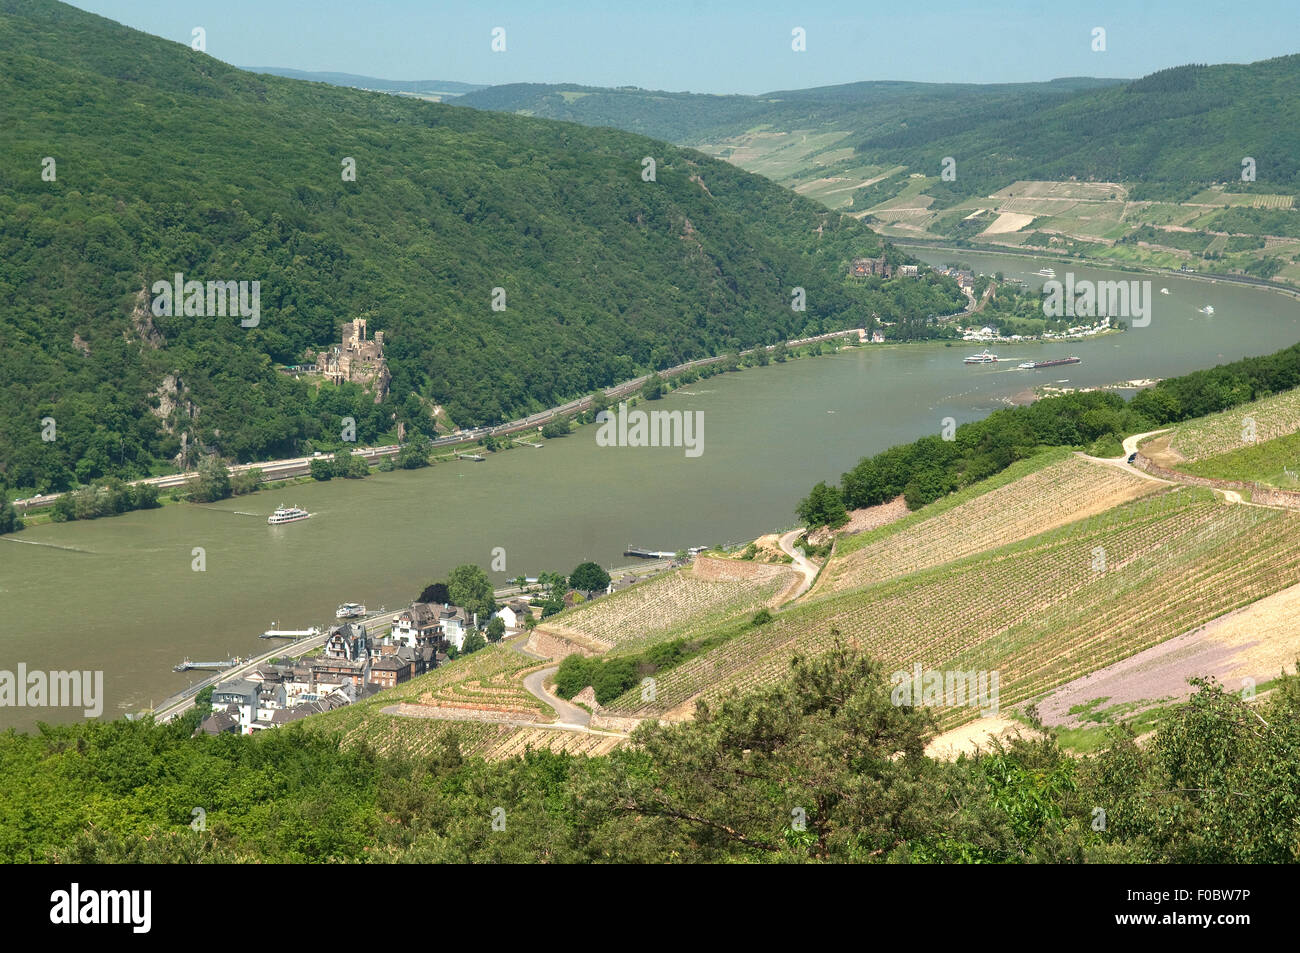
(569, 742)
(490, 679)
(1044, 499)
(1204, 437)
(671, 604)
(1040, 611)
(389, 734)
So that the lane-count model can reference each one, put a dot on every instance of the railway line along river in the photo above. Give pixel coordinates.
(122, 596)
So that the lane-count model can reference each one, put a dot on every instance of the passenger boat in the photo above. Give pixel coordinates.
(286, 514)
(984, 357)
(1046, 273)
(350, 610)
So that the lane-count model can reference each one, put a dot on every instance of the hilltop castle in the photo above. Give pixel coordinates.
(357, 360)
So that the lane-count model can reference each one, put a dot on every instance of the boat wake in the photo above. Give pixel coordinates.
(66, 549)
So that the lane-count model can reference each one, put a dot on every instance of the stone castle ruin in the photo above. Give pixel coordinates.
(357, 360)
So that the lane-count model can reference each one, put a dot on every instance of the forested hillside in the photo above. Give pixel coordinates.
(128, 158)
(442, 87)
(695, 118)
(1187, 126)
(1173, 132)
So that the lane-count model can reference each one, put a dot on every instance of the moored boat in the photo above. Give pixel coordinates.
(350, 610)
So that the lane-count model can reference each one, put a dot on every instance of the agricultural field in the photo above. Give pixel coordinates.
(673, 604)
(1273, 462)
(1205, 437)
(1040, 611)
(364, 723)
(782, 156)
(490, 679)
(568, 742)
(1043, 499)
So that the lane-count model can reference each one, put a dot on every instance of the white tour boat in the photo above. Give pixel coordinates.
(286, 514)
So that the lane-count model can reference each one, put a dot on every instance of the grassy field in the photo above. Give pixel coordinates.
(1022, 504)
(1273, 462)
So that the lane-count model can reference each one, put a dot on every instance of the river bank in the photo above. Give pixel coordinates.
(1291, 291)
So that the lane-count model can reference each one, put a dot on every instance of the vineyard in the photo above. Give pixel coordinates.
(1039, 612)
(670, 605)
(1273, 417)
(364, 723)
(1273, 462)
(490, 679)
(568, 742)
(1044, 499)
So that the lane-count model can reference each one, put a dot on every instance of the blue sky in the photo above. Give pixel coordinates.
(722, 46)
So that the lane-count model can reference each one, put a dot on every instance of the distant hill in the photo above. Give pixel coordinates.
(696, 118)
(1183, 128)
(168, 161)
(439, 87)
(1190, 124)
(1142, 171)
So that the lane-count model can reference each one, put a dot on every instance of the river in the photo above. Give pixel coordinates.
(121, 595)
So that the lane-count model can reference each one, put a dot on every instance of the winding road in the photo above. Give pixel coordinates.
(801, 562)
(569, 714)
(1131, 447)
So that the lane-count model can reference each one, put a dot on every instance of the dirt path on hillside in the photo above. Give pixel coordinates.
(801, 562)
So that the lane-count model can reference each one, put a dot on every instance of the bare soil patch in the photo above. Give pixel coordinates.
(869, 517)
(972, 735)
(1160, 453)
(1257, 642)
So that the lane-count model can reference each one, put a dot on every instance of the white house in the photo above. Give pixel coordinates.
(513, 614)
(455, 625)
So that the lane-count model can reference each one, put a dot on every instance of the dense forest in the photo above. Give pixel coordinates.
(932, 467)
(821, 767)
(163, 160)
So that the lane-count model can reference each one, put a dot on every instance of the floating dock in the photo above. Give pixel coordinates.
(646, 553)
(186, 665)
(289, 633)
